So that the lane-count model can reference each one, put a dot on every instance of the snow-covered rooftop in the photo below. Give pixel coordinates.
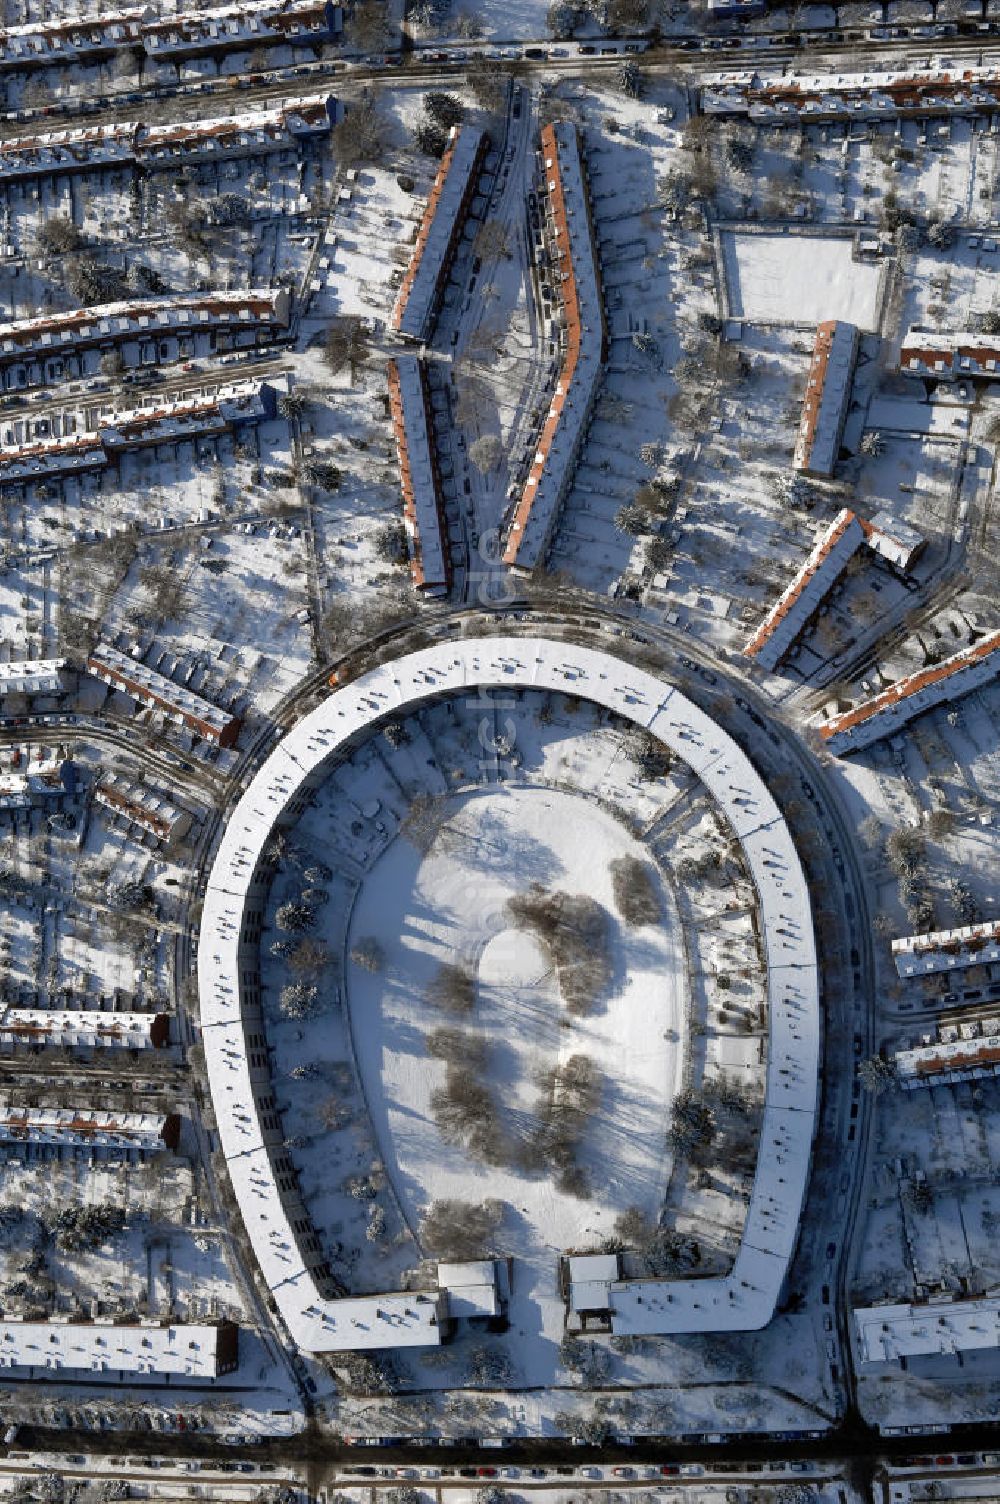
(145, 317)
(57, 1127)
(198, 1352)
(166, 423)
(255, 23)
(948, 1060)
(793, 608)
(263, 1178)
(141, 805)
(895, 540)
(82, 148)
(894, 707)
(451, 193)
(248, 25)
(828, 391)
(38, 676)
(137, 679)
(912, 91)
(949, 354)
(947, 950)
(578, 274)
(423, 512)
(89, 1028)
(885, 1334)
(40, 779)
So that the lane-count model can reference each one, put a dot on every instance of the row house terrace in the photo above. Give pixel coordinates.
(64, 1348)
(947, 950)
(228, 319)
(233, 27)
(142, 807)
(888, 712)
(950, 356)
(868, 95)
(893, 541)
(106, 1133)
(944, 1061)
(89, 1029)
(120, 671)
(797, 605)
(943, 1327)
(37, 783)
(33, 676)
(158, 147)
(261, 23)
(828, 395)
(423, 508)
(168, 423)
(419, 298)
(584, 353)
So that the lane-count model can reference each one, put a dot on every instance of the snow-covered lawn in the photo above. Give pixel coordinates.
(451, 906)
(799, 279)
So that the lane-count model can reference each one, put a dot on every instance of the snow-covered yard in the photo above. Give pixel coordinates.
(799, 279)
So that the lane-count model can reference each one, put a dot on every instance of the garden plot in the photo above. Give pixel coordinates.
(242, 617)
(25, 602)
(734, 526)
(92, 965)
(932, 1220)
(914, 478)
(140, 1259)
(857, 175)
(356, 521)
(517, 21)
(953, 288)
(798, 279)
(362, 253)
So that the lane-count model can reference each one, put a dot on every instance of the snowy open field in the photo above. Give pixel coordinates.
(451, 905)
(799, 279)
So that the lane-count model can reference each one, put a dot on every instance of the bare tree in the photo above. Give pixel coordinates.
(486, 452)
(360, 136)
(452, 988)
(461, 1229)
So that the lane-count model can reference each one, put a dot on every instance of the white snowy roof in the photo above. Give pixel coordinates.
(578, 276)
(88, 1028)
(828, 392)
(439, 231)
(422, 509)
(947, 950)
(277, 1222)
(890, 1332)
(256, 21)
(31, 676)
(190, 1351)
(144, 318)
(84, 147)
(913, 91)
(40, 779)
(813, 582)
(894, 707)
(146, 683)
(949, 1060)
(96, 1130)
(894, 539)
(590, 1266)
(243, 25)
(139, 803)
(471, 1287)
(166, 423)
